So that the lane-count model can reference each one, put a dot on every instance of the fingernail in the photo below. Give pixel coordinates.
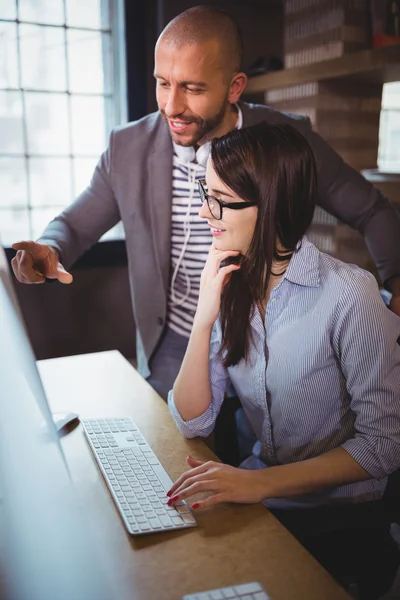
(169, 493)
(173, 499)
(195, 505)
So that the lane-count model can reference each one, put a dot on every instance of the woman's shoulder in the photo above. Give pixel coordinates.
(351, 283)
(318, 268)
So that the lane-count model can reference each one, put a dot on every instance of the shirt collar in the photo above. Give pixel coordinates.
(304, 267)
(190, 154)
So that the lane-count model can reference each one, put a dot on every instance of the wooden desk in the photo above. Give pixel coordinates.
(232, 544)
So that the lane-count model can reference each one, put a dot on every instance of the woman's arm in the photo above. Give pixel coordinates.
(331, 469)
(192, 389)
(191, 396)
(230, 484)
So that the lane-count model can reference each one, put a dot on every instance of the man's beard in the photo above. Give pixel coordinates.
(205, 127)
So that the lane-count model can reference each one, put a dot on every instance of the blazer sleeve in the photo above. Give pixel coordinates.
(94, 212)
(346, 194)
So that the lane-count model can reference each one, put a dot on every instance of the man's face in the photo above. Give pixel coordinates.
(192, 91)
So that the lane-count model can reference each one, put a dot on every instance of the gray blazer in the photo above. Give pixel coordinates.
(133, 183)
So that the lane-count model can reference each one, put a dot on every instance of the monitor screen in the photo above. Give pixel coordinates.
(48, 551)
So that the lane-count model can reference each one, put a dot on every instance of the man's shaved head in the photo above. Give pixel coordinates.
(197, 67)
(202, 24)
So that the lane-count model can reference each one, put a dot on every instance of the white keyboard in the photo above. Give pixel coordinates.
(135, 477)
(245, 591)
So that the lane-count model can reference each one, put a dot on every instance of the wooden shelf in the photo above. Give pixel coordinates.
(379, 65)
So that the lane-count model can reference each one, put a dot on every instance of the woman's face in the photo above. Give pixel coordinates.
(235, 230)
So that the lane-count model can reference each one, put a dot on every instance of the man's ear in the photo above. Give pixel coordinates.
(237, 86)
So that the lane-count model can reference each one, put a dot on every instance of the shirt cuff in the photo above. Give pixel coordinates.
(200, 426)
(368, 458)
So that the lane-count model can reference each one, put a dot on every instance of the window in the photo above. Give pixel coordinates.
(389, 129)
(61, 92)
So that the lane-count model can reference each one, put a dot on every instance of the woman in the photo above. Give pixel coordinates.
(305, 339)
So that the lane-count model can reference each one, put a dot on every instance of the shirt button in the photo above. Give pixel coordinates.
(160, 321)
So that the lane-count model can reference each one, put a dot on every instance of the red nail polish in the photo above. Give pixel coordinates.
(169, 493)
(195, 505)
(172, 500)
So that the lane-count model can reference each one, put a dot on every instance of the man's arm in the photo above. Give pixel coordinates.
(347, 195)
(95, 211)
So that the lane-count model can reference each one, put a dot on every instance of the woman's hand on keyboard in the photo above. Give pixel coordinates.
(226, 484)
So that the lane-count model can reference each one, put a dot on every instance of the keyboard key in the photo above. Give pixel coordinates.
(165, 521)
(155, 523)
(188, 518)
(248, 588)
(216, 595)
(142, 519)
(239, 592)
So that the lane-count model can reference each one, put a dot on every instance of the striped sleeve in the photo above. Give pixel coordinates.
(204, 424)
(365, 340)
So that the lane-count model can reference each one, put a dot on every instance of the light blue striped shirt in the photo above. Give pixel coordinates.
(324, 373)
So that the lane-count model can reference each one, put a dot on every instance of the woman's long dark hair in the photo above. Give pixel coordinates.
(274, 166)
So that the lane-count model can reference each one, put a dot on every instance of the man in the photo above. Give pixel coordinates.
(148, 178)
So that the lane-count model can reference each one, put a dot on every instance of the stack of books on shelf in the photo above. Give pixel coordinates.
(324, 29)
(345, 112)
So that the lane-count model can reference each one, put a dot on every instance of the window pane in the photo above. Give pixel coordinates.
(14, 191)
(43, 58)
(91, 13)
(94, 47)
(47, 123)
(14, 226)
(41, 11)
(389, 141)
(392, 149)
(8, 56)
(11, 123)
(88, 135)
(8, 9)
(41, 217)
(50, 182)
(391, 95)
(83, 172)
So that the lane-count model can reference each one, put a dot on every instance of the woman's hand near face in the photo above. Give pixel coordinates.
(226, 484)
(213, 279)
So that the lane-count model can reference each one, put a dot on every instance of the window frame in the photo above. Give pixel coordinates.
(115, 110)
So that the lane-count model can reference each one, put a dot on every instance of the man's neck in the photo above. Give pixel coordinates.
(228, 123)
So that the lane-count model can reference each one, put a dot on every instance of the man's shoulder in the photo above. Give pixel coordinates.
(147, 129)
(256, 113)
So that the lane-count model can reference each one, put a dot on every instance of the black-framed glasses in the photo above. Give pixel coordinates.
(215, 206)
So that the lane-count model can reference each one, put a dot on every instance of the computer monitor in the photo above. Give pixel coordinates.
(47, 550)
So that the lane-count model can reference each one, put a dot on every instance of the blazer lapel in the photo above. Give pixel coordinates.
(160, 200)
